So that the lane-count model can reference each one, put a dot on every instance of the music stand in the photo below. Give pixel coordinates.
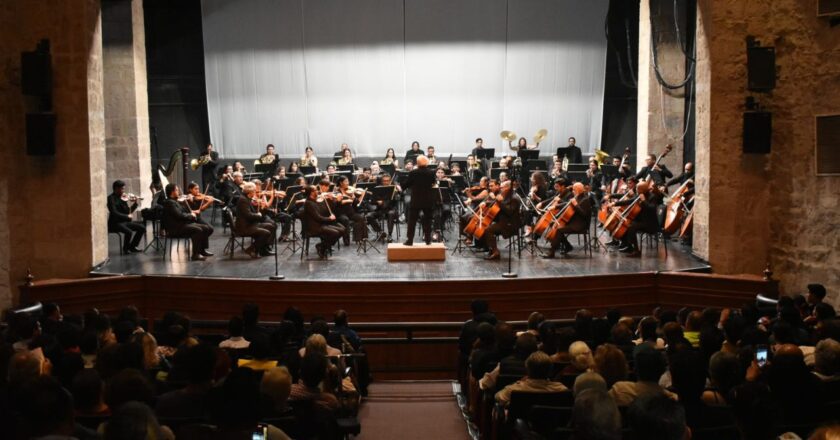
(495, 172)
(577, 167)
(390, 169)
(527, 155)
(349, 168)
(461, 163)
(610, 172)
(535, 165)
(563, 152)
(459, 181)
(308, 170)
(485, 153)
(401, 177)
(576, 176)
(262, 168)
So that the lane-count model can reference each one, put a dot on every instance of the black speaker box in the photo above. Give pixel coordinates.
(761, 69)
(35, 73)
(758, 129)
(40, 134)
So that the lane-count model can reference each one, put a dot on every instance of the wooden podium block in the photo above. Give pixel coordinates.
(418, 252)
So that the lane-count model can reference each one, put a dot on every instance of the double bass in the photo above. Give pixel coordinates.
(483, 217)
(668, 149)
(676, 210)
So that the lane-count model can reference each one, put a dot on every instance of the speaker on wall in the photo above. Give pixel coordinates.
(758, 129)
(40, 134)
(36, 71)
(761, 68)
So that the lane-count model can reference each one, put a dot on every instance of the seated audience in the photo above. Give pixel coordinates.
(198, 362)
(610, 363)
(276, 383)
(725, 373)
(581, 359)
(647, 332)
(513, 364)
(657, 417)
(538, 367)
(313, 371)
(134, 420)
(259, 352)
(89, 394)
(595, 416)
(235, 340)
(589, 380)
(649, 365)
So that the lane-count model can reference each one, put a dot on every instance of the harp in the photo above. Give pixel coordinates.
(176, 170)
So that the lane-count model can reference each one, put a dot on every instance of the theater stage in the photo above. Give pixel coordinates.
(347, 264)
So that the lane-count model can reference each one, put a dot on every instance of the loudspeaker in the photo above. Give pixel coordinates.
(35, 73)
(40, 134)
(761, 69)
(758, 129)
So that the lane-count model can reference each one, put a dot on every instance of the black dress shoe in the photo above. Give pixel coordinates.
(408, 243)
(267, 253)
(626, 249)
(613, 243)
(428, 243)
(198, 257)
(495, 255)
(134, 250)
(207, 253)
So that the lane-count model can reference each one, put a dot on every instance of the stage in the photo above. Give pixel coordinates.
(348, 264)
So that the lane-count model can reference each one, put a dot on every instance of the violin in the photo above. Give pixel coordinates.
(128, 197)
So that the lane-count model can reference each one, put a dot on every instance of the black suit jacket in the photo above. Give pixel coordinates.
(583, 213)
(679, 180)
(421, 180)
(247, 214)
(313, 217)
(175, 216)
(118, 210)
(508, 214)
(658, 177)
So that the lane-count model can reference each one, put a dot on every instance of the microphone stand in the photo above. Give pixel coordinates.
(276, 276)
(510, 273)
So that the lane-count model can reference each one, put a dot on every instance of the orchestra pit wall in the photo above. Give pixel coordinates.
(52, 209)
(752, 209)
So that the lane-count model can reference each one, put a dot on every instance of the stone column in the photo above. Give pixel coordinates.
(52, 209)
(661, 110)
(126, 95)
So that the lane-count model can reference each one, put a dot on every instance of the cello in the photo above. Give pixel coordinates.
(561, 219)
(483, 217)
(676, 209)
(550, 213)
(618, 185)
(626, 217)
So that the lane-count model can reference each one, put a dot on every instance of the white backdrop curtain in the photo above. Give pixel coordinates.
(383, 73)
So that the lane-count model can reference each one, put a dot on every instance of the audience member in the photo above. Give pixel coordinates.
(276, 383)
(260, 353)
(725, 373)
(235, 340)
(538, 366)
(513, 364)
(581, 359)
(647, 333)
(250, 322)
(89, 393)
(657, 417)
(341, 327)
(313, 371)
(610, 363)
(589, 380)
(198, 363)
(135, 421)
(595, 416)
(650, 365)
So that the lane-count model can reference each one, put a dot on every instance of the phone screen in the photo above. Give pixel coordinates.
(260, 433)
(761, 355)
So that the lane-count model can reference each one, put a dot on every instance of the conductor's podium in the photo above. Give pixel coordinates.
(418, 252)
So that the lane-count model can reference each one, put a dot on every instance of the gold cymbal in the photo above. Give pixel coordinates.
(508, 135)
(540, 136)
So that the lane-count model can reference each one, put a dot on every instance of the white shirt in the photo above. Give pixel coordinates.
(234, 342)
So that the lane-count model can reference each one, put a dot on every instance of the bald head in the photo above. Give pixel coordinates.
(578, 188)
(422, 161)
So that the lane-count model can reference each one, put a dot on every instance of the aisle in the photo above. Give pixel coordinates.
(409, 410)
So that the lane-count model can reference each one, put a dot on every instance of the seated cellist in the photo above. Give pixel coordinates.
(645, 221)
(582, 206)
(507, 221)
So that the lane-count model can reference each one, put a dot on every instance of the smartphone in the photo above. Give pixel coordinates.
(260, 433)
(761, 355)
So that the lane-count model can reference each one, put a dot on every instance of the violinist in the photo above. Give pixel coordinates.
(319, 221)
(375, 170)
(179, 221)
(478, 192)
(537, 192)
(231, 187)
(581, 203)
(455, 169)
(384, 208)
(250, 222)
(198, 202)
(507, 221)
(657, 172)
(308, 159)
(347, 211)
(238, 167)
(119, 217)
(646, 221)
(365, 177)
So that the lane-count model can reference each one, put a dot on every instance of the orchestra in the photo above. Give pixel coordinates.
(547, 204)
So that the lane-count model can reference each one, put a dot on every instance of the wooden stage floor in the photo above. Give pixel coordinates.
(347, 264)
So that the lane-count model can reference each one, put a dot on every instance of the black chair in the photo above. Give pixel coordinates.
(587, 243)
(119, 239)
(234, 240)
(653, 239)
(545, 419)
(168, 241)
(521, 402)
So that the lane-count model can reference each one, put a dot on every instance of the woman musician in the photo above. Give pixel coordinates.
(537, 192)
(346, 158)
(308, 159)
(390, 159)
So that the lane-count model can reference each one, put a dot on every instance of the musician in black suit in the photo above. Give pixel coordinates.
(581, 203)
(506, 222)
(573, 153)
(208, 169)
(318, 223)
(250, 222)
(646, 221)
(179, 221)
(119, 217)
(411, 155)
(386, 209)
(420, 181)
(657, 172)
(688, 173)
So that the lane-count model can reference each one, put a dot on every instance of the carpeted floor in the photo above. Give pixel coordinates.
(409, 410)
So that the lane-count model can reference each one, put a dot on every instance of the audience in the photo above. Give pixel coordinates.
(666, 381)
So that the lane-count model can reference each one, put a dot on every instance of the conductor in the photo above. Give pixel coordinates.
(421, 181)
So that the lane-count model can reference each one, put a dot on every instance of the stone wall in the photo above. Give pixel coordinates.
(53, 217)
(126, 95)
(753, 209)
